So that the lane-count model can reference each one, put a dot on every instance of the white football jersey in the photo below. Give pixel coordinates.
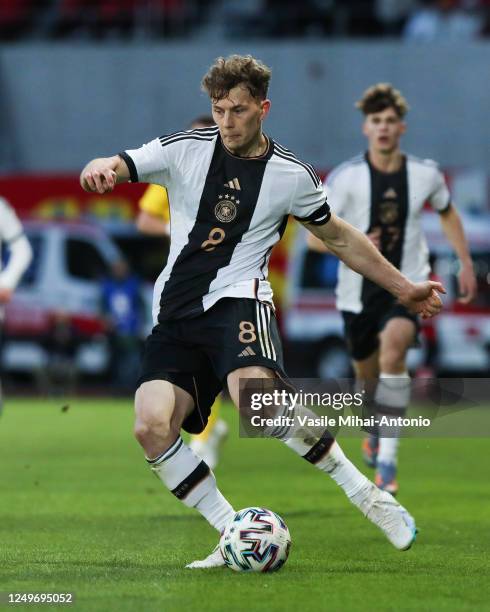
(392, 204)
(20, 254)
(11, 232)
(226, 214)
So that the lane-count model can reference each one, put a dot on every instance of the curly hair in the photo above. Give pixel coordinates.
(380, 97)
(227, 73)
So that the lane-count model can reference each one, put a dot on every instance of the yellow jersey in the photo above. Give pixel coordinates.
(155, 202)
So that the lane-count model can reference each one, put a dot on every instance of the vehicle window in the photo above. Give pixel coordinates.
(30, 275)
(84, 261)
(146, 255)
(319, 271)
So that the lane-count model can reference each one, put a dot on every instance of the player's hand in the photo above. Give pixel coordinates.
(423, 298)
(98, 176)
(5, 295)
(375, 237)
(467, 284)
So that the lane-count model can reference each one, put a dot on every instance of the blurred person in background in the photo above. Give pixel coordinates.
(393, 14)
(443, 20)
(382, 192)
(122, 307)
(154, 219)
(58, 374)
(13, 239)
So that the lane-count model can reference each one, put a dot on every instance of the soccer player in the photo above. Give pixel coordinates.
(382, 193)
(231, 189)
(154, 219)
(20, 255)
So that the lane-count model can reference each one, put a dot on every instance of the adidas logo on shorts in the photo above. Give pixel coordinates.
(247, 352)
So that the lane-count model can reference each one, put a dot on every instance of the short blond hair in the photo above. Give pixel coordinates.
(227, 73)
(381, 96)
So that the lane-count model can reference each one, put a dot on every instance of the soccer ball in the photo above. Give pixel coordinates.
(255, 540)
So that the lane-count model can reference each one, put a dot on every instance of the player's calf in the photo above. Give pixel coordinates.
(161, 408)
(159, 415)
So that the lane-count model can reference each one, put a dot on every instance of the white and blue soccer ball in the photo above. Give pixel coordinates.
(255, 540)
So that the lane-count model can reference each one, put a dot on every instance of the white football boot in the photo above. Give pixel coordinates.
(215, 559)
(383, 510)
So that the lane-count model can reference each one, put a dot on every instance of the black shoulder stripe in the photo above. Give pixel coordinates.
(165, 136)
(284, 149)
(212, 129)
(164, 139)
(307, 167)
(197, 133)
(169, 141)
(133, 173)
(313, 176)
(292, 156)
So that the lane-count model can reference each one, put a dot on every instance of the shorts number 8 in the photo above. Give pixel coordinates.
(247, 332)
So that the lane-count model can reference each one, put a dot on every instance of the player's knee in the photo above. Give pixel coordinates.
(152, 417)
(149, 428)
(241, 382)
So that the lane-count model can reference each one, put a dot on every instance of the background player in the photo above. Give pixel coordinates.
(382, 193)
(20, 255)
(235, 188)
(154, 219)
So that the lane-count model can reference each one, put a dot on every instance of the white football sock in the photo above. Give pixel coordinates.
(343, 471)
(392, 398)
(191, 481)
(388, 450)
(318, 447)
(326, 454)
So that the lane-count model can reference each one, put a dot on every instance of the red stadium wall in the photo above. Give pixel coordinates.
(60, 197)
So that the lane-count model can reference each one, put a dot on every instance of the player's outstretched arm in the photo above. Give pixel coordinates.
(356, 251)
(452, 226)
(315, 244)
(101, 175)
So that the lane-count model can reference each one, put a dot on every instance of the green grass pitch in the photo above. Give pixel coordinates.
(80, 512)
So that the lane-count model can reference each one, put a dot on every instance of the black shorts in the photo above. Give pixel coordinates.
(197, 354)
(362, 329)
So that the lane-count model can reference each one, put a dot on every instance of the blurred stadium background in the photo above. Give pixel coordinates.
(86, 78)
(80, 78)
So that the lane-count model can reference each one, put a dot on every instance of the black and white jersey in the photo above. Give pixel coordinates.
(390, 203)
(226, 214)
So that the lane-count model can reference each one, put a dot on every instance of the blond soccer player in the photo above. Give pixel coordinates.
(231, 189)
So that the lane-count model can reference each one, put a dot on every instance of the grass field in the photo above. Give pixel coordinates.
(80, 512)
